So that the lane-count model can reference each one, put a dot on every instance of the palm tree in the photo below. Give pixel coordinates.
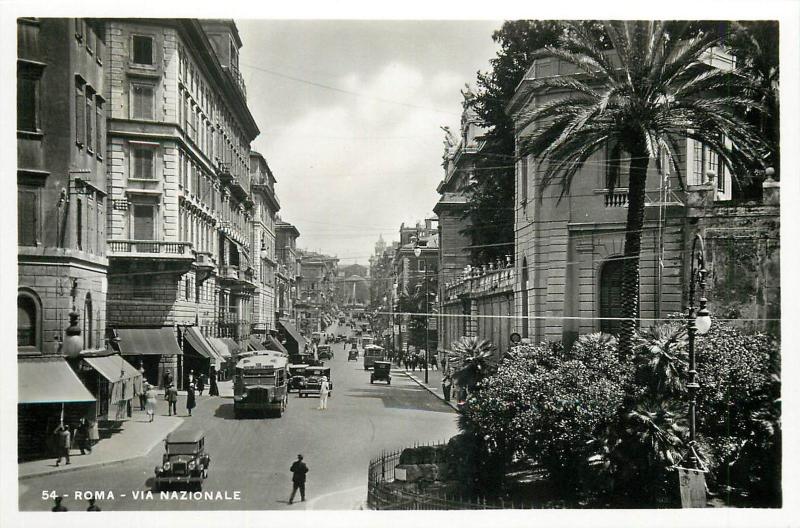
(650, 89)
(662, 357)
(472, 359)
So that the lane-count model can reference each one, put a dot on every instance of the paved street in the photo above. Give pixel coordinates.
(253, 455)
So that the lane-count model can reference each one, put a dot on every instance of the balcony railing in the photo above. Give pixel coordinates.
(227, 317)
(617, 198)
(150, 247)
(237, 78)
(229, 272)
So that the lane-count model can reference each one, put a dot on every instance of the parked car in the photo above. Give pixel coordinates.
(380, 372)
(314, 380)
(324, 352)
(185, 460)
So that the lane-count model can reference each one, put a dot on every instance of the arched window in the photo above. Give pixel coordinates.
(28, 322)
(88, 327)
(611, 295)
(524, 297)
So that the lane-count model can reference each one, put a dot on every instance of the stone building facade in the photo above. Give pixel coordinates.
(180, 208)
(265, 210)
(288, 271)
(61, 182)
(568, 249)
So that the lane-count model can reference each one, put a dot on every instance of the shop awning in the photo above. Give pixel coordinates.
(232, 345)
(294, 334)
(274, 344)
(113, 368)
(220, 347)
(50, 380)
(147, 341)
(254, 343)
(198, 342)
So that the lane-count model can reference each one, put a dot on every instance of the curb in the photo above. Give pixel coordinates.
(419, 382)
(100, 464)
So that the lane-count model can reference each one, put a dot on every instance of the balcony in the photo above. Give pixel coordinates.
(235, 278)
(616, 198)
(224, 172)
(236, 76)
(177, 257)
(228, 317)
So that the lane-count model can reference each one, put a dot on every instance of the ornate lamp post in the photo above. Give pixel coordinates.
(693, 476)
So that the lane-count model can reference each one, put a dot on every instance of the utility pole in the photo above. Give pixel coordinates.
(427, 325)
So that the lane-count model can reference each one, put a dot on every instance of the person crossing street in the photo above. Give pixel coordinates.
(299, 470)
(324, 392)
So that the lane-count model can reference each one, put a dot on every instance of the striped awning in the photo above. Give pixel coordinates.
(148, 341)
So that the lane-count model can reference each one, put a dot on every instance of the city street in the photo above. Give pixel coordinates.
(253, 455)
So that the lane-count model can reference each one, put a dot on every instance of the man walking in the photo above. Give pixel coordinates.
(299, 470)
(63, 442)
(172, 400)
(82, 436)
(324, 390)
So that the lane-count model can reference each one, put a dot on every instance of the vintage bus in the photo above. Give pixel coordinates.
(261, 383)
(373, 353)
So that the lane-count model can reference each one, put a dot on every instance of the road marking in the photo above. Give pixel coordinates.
(311, 503)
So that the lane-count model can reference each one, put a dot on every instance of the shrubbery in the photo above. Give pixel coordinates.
(602, 425)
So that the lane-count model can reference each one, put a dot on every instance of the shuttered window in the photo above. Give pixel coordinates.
(142, 101)
(611, 295)
(143, 165)
(27, 217)
(142, 50)
(143, 222)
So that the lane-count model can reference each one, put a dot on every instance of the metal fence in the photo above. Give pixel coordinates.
(384, 494)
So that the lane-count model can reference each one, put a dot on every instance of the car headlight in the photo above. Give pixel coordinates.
(192, 464)
(244, 394)
(166, 466)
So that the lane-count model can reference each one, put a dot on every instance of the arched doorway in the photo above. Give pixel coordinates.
(611, 295)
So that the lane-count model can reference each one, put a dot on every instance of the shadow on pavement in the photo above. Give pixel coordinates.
(394, 398)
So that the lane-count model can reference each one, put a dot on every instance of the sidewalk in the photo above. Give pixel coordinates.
(434, 385)
(137, 438)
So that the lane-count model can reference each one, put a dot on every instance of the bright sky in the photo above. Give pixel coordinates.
(349, 113)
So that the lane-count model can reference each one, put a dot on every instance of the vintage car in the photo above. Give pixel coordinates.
(380, 372)
(324, 352)
(317, 337)
(185, 460)
(352, 355)
(297, 376)
(373, 353)
(314, 380)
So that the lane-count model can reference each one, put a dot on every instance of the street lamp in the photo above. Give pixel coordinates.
(699, 323)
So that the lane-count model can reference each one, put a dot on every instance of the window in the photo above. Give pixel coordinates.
(80, 119)
(142, 104)
(523, 181)
(88, 330)
(27, 321)
(100, 128)
(420, 265)
(90, 117)
(28, 217)
(611, 296)
(700, 160)
(143, 163)
(143, 222)
(142, 50)
(79, 25)
(524, 296)
(617, 170)
(27, 103)
(79, 224)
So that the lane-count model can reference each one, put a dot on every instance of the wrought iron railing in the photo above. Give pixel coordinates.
(383, 494)
(118, 247)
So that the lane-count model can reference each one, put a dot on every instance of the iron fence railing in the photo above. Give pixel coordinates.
(383, 493)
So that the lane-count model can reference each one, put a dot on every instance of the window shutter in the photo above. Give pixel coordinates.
(27, 215)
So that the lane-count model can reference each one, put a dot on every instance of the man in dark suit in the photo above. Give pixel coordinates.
(299, 470)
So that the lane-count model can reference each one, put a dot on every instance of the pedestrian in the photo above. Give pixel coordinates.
(213, 388)
(324, 392)
(201, 384)
(58, 506)
(299, 470)
(151, 403)
(168, 378)
(142, 397)
(63, 443)
(172, 400)
(190, 401)
(82, 436)
(447, 384)
(93, 506)
(434, 363)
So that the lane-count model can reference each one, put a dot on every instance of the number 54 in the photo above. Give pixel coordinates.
(49, 495)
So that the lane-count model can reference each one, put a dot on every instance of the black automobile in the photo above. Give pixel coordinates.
(297, 377)
(380, 372)
(185, 460)
(352, 355)
(324, 352)
(313, 380)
